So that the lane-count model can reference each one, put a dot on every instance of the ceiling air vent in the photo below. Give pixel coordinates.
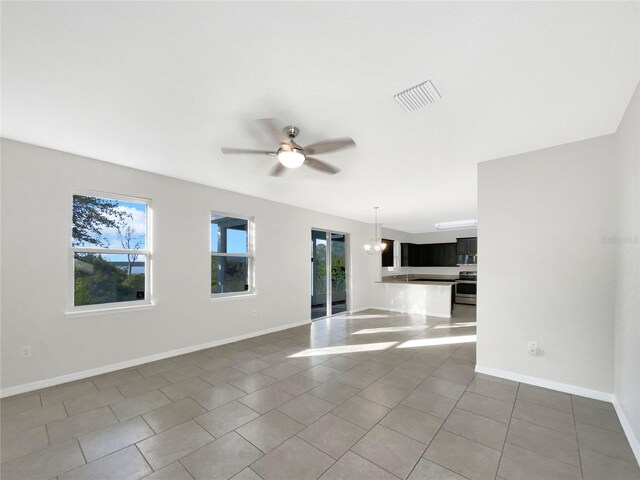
(419, 96)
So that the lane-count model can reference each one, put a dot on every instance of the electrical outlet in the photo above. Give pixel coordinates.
(25, 351)
(533, 348)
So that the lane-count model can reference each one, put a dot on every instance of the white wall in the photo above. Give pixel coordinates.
(36, 183)
(545, 272)
(627, 311)
(448, 236)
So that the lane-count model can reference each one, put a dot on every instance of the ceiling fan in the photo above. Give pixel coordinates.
(292, 155)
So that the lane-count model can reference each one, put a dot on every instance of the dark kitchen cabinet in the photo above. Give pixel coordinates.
(387, 254)
(429, 255)
(409, 253)
(467, 246)
(441, 255)
(446, 255)
(426, 257)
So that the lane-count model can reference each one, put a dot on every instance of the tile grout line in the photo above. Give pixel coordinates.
(575, 426)
(249, 467)
(113, 413)
(183, 466)
(494, 398)
(544, 426)
(180, 458)
(508, 428)
(249, 441)
(142, 455)
(354, 453)
(334, 461)
(84, 457)
(440, 428)
(545, 456)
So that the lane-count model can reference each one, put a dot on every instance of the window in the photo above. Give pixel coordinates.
(231, 256)
(388, 255)
(110, 252)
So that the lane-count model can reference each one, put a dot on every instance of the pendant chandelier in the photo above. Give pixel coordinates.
(375, 245)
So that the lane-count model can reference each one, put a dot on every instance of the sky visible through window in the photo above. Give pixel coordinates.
(236, 240)
(93, 215)
(137, 221)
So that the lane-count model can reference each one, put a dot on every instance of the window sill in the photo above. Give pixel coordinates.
(109, 311)
(224, 298)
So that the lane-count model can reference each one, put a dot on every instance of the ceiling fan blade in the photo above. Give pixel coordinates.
(327, 146)
(273, 128)
(277, 170)
(246, 151)
(321, 166)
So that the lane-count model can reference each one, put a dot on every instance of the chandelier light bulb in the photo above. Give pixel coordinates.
(375, 245)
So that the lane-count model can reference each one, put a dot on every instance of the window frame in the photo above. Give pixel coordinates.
(250, 256)
(73, 309)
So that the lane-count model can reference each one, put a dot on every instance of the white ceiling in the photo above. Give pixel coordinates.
(162, 86)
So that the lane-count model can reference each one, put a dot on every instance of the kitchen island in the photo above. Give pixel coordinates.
(431, 295)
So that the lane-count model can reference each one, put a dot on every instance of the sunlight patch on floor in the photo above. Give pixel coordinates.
(337, 350)
(409, 328)
(428, 342)
(360, 317)
(456, 325)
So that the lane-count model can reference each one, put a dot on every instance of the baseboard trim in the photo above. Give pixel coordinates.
(626, 426)
(541, 382)
(49, 382)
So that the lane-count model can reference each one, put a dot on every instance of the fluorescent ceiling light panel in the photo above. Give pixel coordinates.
(460, 224)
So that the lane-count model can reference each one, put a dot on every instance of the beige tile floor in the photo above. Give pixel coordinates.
(373, 395)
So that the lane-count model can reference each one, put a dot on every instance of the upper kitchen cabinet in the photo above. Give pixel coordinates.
(409, 255)
(429, 255)
(445, 255)
(387, 254)
(426, 255)
(467, 246)
(438, 255)
(467, 251)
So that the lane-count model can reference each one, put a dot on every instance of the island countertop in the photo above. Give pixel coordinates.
(416, 279)
(438, 283)
(434, 298)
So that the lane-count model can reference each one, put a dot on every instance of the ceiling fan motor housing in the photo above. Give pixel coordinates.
(291, 131)
(292, 147)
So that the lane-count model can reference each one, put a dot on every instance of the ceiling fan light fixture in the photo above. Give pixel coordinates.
(291, 158)
(290, 154)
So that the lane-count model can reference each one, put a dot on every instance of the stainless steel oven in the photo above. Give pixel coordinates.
(467, 288)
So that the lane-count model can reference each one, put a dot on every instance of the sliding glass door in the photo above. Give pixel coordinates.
(338, 262)
(318, 274)
(328, 273)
